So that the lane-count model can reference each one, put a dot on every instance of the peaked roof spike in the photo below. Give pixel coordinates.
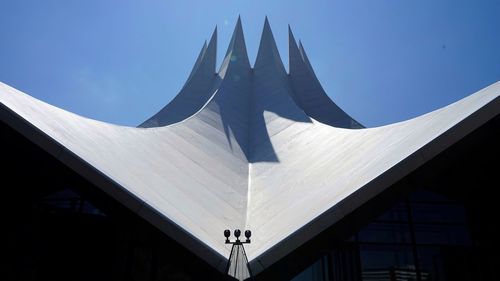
(195, 92)
(237, 39)
(268, 50)
(236, 52)
(267, 26)
(198, 60)
(214, 35)
(290, 35)
(302, 51)
(306, 59)
(267, 29)
(295, 59)
(238, 27)
(211, 53)
(309, 93)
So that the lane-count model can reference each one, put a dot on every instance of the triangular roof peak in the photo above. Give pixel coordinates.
(268, 53)
(236, 53)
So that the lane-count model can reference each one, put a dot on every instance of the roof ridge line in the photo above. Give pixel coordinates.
(249, 195)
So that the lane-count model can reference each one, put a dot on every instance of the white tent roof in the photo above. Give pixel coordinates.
(250, 148)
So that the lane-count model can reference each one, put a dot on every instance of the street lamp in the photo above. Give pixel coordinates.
(237, 264)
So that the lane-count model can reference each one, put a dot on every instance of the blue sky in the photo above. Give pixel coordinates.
(119, 61)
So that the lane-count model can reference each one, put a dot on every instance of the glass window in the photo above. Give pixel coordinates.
(448, 263)
(398, 212)
(383, 262)
(386, 248)
(431, 263)
(441, 234)
(344, 262)
(385, 233)
(438, 213)
(69, 200)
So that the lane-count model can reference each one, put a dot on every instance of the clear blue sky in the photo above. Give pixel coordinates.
(119, 61)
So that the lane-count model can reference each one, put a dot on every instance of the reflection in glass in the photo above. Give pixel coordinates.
(399, 212)
(71, 201)
(386, 262)
(431, 262)
(385, 233)
(438, 213)
(441, 234)
(423, 237)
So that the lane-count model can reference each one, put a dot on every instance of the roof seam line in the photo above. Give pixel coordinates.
(249, 184)
(249, 149)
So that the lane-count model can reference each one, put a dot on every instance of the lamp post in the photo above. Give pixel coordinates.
(237, 264)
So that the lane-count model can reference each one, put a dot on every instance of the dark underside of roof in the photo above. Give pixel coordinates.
(56, 225)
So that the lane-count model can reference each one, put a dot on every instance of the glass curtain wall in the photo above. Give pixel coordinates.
(422, 237)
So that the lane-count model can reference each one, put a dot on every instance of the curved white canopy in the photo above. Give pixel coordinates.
(250, 148)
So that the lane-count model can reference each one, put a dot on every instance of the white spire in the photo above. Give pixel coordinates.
(268, 53)
(308, 92)
(197, 90)
(294, 56)
(211, 54)
(236, 54)
(198, 60)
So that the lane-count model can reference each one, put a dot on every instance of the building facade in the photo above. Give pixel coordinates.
(254, 148)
